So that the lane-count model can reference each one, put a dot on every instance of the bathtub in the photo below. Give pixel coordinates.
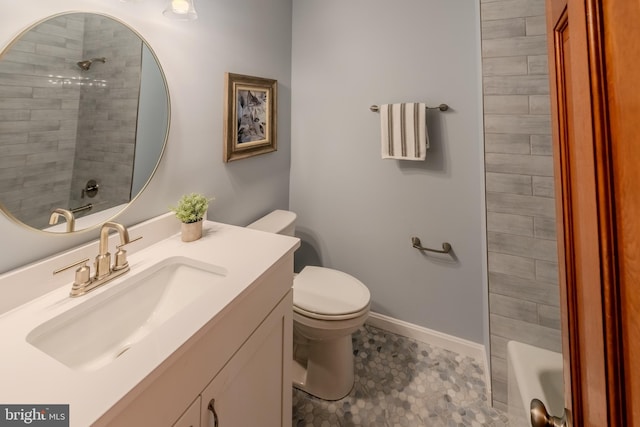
(533, 372)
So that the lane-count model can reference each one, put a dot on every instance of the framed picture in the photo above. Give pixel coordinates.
(250, 116)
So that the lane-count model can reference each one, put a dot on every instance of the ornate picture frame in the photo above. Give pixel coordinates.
(250, 116)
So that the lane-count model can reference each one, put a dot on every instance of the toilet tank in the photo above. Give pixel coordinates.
(278, 222)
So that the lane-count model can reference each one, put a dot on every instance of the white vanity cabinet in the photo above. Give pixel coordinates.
(250, 389)
(240, 363)
(189, 323)
(191, 417)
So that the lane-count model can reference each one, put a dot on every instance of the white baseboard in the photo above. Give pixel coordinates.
(438, 339)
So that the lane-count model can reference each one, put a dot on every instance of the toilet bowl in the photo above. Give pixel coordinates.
(328, 306)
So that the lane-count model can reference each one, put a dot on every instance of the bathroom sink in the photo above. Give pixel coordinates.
(98, 331)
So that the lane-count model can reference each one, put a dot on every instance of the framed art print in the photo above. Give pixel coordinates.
(250, 116)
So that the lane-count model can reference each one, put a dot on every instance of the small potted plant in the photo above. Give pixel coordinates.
(190, 210)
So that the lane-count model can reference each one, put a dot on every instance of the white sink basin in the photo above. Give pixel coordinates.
(98, 331)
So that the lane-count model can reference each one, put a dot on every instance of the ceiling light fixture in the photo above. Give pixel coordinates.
(181, 10)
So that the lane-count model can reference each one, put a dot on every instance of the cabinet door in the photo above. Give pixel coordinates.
(191, 417)
(254, 387)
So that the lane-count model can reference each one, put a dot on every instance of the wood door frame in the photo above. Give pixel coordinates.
(591, 322)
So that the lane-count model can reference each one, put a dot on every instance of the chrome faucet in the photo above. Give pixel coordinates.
(68, 216)
(105, 272)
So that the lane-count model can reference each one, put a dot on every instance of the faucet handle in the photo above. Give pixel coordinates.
(121, 255)
(83, 273)
(129, 242)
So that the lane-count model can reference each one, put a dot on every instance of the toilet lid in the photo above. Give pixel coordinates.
(329, 292)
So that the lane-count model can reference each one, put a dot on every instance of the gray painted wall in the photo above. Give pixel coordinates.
(523, 273)
(356, 212)
(194, 55)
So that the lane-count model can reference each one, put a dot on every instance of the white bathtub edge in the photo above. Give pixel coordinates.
(525, 362)
(448, 342)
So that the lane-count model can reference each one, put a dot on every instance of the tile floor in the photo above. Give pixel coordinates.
(403, 382)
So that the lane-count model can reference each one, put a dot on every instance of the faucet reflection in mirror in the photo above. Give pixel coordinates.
(66, 214)
(105, 271)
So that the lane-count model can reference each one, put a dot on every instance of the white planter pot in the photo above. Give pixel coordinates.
(191, 231)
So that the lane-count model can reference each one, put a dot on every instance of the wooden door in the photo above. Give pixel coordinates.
(594, 58)
(621, 24)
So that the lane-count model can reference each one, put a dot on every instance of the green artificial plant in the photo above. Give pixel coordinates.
(191, 207)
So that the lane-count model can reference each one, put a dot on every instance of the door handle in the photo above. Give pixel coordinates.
(541, 418)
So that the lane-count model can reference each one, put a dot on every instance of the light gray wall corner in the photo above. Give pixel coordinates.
(483, 208)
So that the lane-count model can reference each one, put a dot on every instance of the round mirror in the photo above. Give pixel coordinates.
(84, 118)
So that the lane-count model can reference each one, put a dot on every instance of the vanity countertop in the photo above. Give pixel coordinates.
(29, 376)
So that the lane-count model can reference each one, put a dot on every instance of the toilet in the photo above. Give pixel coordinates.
(328, 306)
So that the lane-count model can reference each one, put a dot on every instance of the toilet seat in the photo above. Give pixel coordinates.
(327, 294)
(330, 317)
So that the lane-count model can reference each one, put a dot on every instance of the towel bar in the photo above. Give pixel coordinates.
(441, 107)
(415, 242)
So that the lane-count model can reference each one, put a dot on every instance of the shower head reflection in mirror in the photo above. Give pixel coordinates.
(96, 110)
(86, 64)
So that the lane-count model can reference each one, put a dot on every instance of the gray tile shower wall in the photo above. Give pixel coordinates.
(522, 257)
(61, 126)
(38, 114)
(109, 111)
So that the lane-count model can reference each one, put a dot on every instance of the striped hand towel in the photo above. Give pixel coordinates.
(404, 131)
